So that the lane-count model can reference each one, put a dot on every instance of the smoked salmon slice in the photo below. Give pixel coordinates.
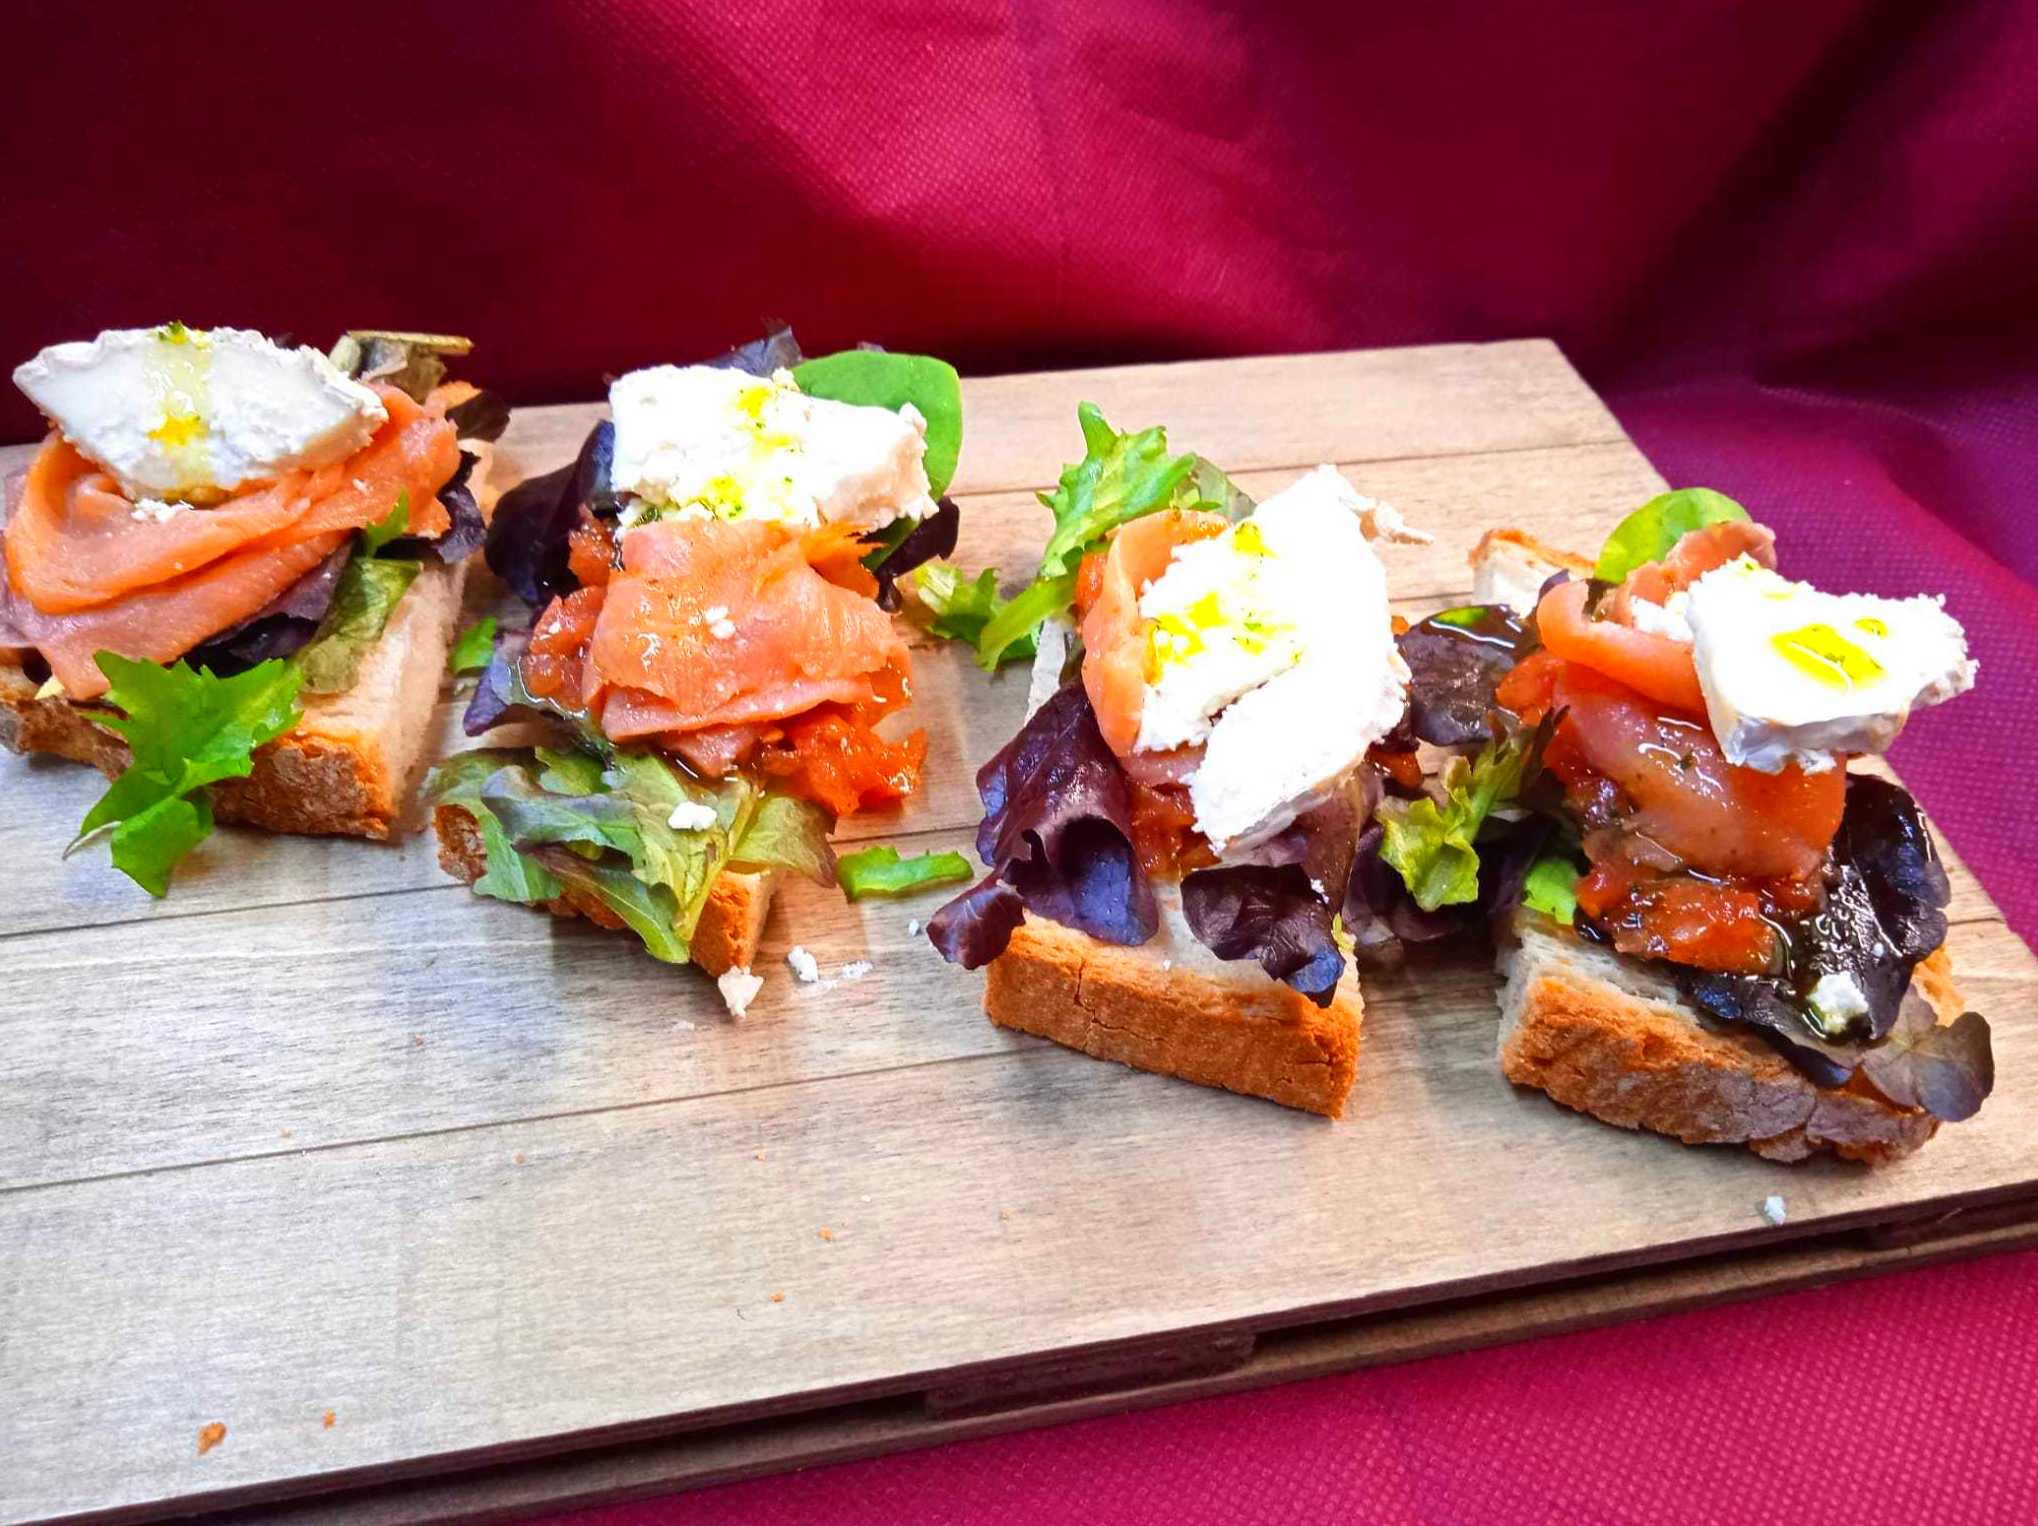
(1115, 633)
(87, 572)
(713, 623)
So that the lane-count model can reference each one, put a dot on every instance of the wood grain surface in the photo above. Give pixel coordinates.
(324, 1132)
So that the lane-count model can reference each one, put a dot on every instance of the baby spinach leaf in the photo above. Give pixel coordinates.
(884, 379)
(1648, 534)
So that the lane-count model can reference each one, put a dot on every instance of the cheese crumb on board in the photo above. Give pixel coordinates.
(805, 967)
(857, 969)
(739, 988)
(1773, 1208)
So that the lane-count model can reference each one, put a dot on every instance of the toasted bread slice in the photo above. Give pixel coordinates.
(731, 925)
(1510, 567)
(346, 769)
(1173, 1007)
(1608, 1036)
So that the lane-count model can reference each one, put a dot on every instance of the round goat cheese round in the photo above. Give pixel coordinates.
(1795, 675)
(191, 415)
(706, 439)
(1271, 645)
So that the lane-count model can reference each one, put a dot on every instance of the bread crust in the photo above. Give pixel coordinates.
(346, 769)
(1178, 1012)
(1609, 1037)
(731, 925)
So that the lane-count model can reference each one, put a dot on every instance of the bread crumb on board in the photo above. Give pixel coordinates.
(328, 1419)
(827, 1233)
(778, 1297)
(1774, 1209)
(210, 1436)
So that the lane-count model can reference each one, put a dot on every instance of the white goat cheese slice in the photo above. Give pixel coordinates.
(179, 414)
(707, 439)
(1794, 675)
(1271, 645)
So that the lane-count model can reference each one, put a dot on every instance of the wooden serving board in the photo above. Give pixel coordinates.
(441, 1206)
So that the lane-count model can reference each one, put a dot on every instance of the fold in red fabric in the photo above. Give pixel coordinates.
(1795, 245)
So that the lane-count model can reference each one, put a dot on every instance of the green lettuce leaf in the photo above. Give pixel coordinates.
(392, 525)
(684, 860)
(959, 608)
(552, 819)
(1121, 477)
(1552, 888)
(476, 644)
(367, 596)
(534, 816)
(185, 729)
(881, 871)
(882, 379)
(1431, 843)
(787, 833)
(649, 911)
(1648, 534)
(510, 875)
(569, 773)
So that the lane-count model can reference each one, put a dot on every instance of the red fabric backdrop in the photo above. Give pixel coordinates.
(1796, 245)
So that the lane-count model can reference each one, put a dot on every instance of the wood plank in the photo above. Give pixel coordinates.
(434, 1029)
(698, 1458)
(438, 1031)
(547, 1224)
(622, 1270)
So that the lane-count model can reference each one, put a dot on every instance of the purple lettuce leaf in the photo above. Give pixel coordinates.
(776, 350)
(1885, 910)
(462, 538)
(1948, 1070)
(483, 416)
(496, 692)
(1271, 913)
(932, 537)
(527, 540)
(1455, 662)
(1278, 908)
(974, 928)
(1057, 831)
(279, 628)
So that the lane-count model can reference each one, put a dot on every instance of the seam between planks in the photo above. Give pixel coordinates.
(1026, 1046)
(448, 883)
